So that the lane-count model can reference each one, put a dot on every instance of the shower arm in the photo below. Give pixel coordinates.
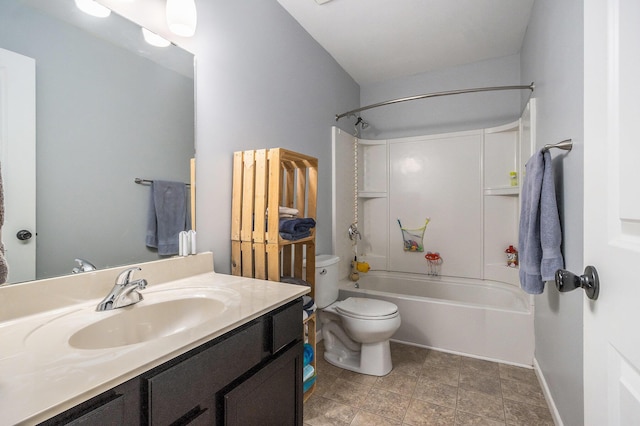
(433, 95)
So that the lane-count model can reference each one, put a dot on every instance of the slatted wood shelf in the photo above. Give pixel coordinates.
(264, 180)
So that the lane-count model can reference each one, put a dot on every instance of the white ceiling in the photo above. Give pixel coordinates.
(377, 40)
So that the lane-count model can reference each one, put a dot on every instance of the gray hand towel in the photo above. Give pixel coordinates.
(4, 267)
(167, 216)
(540, 234)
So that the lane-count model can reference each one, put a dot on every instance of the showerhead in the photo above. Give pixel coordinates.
(359, 122)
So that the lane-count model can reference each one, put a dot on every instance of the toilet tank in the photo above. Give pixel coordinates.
(326, 279)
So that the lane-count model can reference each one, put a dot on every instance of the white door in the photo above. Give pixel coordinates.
(18, 162)
(612, 211)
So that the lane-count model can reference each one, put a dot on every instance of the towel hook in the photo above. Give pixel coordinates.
(565, 145)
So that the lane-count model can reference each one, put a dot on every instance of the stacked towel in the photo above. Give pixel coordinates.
(167, 216)
(294, 280)
(296, 229)
(308, 305)
(307, 354)
(540, 234)
(308, 372)
(288, 212)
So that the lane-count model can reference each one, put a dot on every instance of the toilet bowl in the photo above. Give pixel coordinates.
(356, 331)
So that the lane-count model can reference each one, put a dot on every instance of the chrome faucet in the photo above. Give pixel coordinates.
(83, 266)
(124, 292)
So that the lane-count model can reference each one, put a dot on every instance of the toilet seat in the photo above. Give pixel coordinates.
(363, 308)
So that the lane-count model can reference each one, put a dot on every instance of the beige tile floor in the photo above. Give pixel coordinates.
(427, 387)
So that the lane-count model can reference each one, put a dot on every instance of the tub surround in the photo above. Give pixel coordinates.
(480, 319)
(41, 375)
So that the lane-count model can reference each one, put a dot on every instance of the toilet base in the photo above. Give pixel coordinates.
(373, 359)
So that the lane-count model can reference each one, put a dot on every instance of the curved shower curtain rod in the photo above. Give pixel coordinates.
(433, 95)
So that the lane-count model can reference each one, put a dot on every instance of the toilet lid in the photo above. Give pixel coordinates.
(362, 307)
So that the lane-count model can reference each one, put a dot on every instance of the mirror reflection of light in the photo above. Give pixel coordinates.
(154, 39)
(182, 17)
(93, 8)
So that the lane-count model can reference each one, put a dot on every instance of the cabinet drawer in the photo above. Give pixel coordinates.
(118, 406)
(110, 413)
(286, 326)
(193, 382)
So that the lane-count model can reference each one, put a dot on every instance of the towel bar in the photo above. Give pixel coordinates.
(146, 181)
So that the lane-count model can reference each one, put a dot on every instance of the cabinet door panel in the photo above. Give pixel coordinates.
(194, 381)
(271, 397)
(286, 326)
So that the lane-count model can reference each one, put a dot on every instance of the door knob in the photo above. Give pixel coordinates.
(567, 281)
(24, 235)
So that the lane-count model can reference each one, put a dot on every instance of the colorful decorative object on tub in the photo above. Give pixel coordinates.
(433, 263)
(412, 237)
(512, 257)
(357, 267)
(362, 267)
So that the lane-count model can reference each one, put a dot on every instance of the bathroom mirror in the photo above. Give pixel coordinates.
(109, 108)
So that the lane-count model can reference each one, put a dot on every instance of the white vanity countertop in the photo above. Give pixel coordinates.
(41, 375)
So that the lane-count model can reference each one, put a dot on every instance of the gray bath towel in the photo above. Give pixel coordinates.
(167, 216)
(540, 234)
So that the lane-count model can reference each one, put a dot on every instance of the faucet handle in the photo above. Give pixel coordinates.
(125, 276)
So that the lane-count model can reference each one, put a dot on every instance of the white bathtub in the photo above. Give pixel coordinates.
(483, 319)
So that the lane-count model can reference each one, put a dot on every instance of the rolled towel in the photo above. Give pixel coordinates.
(308, 372)
(306, 385)
(307, 302)
(311, 309)
(307, 356)
(297, 226)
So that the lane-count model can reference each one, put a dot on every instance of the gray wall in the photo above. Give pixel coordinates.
(444, 114)
(104, 117)
(263, 82)
(552, 56)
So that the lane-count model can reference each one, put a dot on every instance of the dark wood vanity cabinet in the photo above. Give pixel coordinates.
(249, 376)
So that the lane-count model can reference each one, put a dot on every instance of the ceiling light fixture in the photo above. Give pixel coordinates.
(93, 8)
(154, 39)
(182, 17)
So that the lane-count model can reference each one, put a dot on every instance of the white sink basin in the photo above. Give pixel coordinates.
(143, 322)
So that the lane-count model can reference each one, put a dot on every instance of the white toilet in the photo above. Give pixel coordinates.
(356, 331)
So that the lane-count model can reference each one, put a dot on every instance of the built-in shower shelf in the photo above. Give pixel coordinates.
(371, 194)
(506, 190)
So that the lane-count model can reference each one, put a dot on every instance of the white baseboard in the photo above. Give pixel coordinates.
(547, 394)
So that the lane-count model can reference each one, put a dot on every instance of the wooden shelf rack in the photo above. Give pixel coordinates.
(264, 180)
